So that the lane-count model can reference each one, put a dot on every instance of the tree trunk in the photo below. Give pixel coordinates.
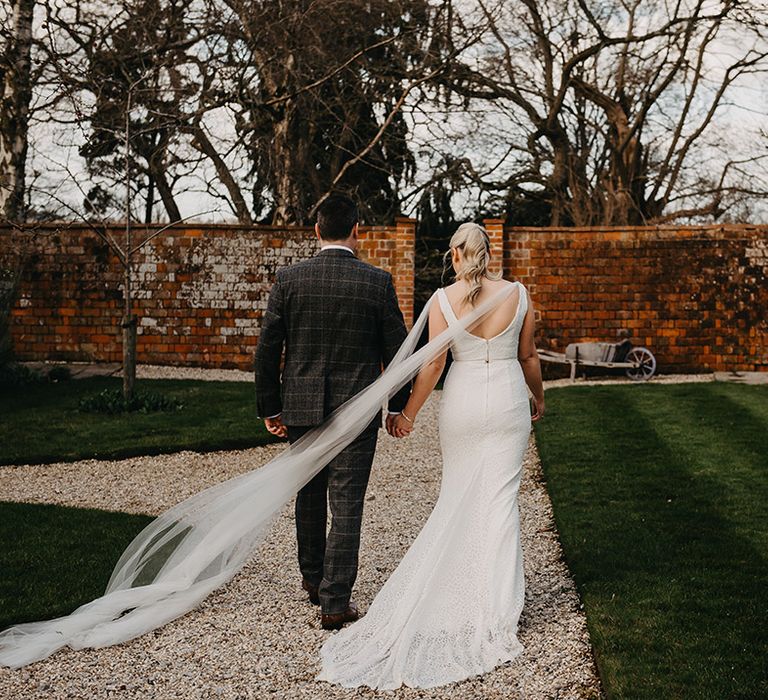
(150, 203)
(128, 324)
(129, 320)
(289, 202)
(557, 182)
(14, 112)
(129, 356)
(166, 194)
(202, 143)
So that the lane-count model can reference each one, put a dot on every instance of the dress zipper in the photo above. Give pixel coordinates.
(487, 373)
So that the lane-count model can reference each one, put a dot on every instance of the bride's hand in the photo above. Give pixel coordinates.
(537, 409)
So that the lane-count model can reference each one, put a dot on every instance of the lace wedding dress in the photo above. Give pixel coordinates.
(450, 610)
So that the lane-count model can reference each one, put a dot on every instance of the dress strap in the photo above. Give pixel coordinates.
(522, 301)
(446, 307)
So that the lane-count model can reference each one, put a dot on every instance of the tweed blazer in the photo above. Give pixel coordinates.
(338, 322)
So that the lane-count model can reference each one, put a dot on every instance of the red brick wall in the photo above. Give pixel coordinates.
(200, 291)
(696, 296)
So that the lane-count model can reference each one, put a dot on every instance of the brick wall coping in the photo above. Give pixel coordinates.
(112, 225)
(47, 226)
(719, 228)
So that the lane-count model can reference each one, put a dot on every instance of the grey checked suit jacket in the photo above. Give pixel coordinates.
(339, 321)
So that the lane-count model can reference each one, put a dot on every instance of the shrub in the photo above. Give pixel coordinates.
(111, 401)
(12, 374)
(59, 373)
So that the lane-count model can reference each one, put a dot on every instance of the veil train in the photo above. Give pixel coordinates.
(202, 542)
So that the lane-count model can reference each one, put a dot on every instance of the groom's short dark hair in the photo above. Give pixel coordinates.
(336, 217)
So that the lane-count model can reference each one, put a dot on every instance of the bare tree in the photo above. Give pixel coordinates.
(315, 93)
(106, 94)
(607, 106)
(321, 90)
(560, 111)
(101, 58)
(134, 239)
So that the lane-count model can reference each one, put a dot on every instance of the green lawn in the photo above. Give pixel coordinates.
(41, 423)
(54, 559)
(660, 494)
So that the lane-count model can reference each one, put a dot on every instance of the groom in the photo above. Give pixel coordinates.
(338, 321)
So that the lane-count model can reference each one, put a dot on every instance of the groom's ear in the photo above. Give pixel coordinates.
(354, 231)
(317, 232)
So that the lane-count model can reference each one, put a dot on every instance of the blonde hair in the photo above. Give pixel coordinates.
(475, 245)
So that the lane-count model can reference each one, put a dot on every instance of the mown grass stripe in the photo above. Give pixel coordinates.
(654, 524)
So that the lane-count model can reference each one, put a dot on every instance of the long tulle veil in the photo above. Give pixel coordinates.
(201, 543)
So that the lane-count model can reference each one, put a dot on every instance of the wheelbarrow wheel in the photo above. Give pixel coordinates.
(646, 364)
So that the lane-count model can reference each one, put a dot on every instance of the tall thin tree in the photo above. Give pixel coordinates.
(16, 80)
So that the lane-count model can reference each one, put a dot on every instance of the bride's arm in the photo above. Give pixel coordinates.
(426, 379)
(529, 360)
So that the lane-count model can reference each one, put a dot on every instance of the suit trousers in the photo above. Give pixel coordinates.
(329, 559)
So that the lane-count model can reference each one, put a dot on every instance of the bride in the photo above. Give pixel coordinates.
(450, 609)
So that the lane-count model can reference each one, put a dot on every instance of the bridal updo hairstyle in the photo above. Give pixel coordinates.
(475, 246)
(336, 217)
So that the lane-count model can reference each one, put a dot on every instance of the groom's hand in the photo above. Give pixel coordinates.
(397, 426)
(276, 426)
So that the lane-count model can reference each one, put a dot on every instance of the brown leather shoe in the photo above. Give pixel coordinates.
(314, 595)
(335, 621)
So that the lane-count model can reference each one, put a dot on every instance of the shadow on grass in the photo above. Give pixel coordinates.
(41, 423)
(53, 558)
(663, 539)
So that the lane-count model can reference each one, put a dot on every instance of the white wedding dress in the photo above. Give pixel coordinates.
(450, 609)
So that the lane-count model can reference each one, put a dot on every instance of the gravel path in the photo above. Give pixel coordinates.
(215, 375)
(258, 637)
(235, 375)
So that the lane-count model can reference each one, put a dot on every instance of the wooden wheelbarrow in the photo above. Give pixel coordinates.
(638, 362)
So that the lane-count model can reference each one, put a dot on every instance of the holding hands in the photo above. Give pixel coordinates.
(399, 425)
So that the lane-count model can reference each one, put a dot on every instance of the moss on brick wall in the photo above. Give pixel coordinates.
(696, 296)
(200, 292)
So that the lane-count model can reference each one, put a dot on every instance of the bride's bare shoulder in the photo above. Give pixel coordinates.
(494, 286)
(457, 290)
(499, 283)
(454, 291)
